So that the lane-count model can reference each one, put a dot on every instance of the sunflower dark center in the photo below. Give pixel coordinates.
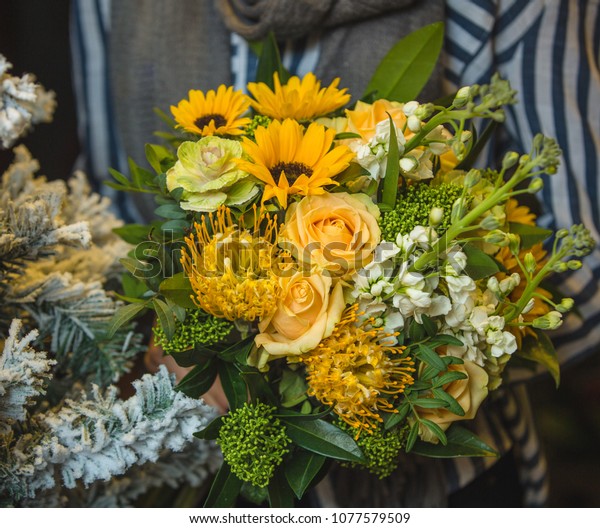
(292, 170)
(205, 120)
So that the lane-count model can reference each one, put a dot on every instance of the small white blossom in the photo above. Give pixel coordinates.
(373, 154)
(410, 108)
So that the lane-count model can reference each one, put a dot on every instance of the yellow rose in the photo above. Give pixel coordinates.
(364, 118)
(307, 312)
(468, 392)
(335, 232)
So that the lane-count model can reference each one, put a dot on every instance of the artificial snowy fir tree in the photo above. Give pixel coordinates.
(23, 103)
(65, 437)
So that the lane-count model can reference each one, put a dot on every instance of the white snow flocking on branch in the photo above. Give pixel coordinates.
(23, 103)
(23, 373)
(100, 437)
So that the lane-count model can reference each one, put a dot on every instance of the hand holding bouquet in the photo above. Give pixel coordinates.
(355, 283)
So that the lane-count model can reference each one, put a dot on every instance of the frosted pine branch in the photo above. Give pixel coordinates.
(100, 437)
(23, 103)
(23, 374)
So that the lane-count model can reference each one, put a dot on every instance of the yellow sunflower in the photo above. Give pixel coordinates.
(297, 99)
(213, 113)
(289, 160)
(519, 214)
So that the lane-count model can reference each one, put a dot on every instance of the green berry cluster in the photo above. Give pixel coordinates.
(197, 328)
(257, 120)
(414, 206)
(380, 448)
(253, 442)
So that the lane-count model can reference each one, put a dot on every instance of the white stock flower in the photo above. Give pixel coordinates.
(384, 317)
(460, 287)
(371, 282)
(423, 236)
(414, 296)
(373, 154)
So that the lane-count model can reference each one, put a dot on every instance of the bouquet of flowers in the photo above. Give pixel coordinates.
(355, 284)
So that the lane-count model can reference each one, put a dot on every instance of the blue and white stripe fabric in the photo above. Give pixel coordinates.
(549, 51)
(98, 134)
(299, 57)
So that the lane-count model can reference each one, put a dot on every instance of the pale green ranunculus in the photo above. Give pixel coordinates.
(209, 176)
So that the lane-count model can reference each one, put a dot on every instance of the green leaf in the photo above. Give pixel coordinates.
(269, 62)
(479, 264)
(323, 438)
(177, 195)
(292, 388)
(143, 180)
(178, 312)
(211, 431)
(155, 154)
(444, 339)
(198, 380)
(449, 377)
(234, 386)
(346, 135)
(429, 326)
(529, 235)
(288, 414)
(224, 490)
(429, 403)
(416, 331)
(391, 420)
(540, 350)
(301, 469)
(133, 287)
(121, 178)
(172, 211)
(259, 388)
(193, 356)
(389, 189)
(429, 356)
(177, 226)
(412, 437)
(171, 123)
(133, 233)
(122, 316)
(133, 266)
(451, 403)
(241, 348)
(179, 290)
(436, 430)
(461, 443)
(165, 318)
(280, 493)
(407, 67)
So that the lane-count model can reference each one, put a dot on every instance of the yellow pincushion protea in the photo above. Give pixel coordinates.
(289, 160)
(297, 99)
(214, 113)
(356, 373)
(231, 269)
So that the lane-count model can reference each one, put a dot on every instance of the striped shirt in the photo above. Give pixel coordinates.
(549, 51)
